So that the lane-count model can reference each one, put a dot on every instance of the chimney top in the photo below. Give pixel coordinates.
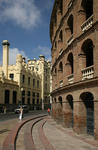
(5, 42)
(41, 56)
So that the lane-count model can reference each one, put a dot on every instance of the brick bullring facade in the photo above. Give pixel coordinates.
(74, 38)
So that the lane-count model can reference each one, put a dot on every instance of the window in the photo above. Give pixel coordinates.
(11, 76)
(37, 83)
(70, 23)
(33, 68)
(45, 86)
(33, 101)
(28, 93)
(61, 67)
(37, 94)
(88, 7)
(28, 100)
(61, 36)
(14, 97)
(36, 68)
(46, 78)
(70, 63)
(33, 82)
(33, 94)
(28, 80)
(37, 101)
(55, 70)
(23, 78)
(23, 93)
(46, 70)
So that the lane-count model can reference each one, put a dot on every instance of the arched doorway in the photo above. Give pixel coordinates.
(59, 109)
(88, 111)
(54, 106)
(7, 96)
(69, 108)
(14, 97)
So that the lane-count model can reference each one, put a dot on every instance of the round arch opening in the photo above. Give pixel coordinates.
(69, 99)
(87, 108)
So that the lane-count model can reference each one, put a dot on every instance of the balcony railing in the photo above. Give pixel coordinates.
(88, 73)
(70, 40)
(60, 52)
(61, 83)
(87, 24)
(70, 78)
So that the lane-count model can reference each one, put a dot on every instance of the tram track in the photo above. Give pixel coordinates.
(41, 133)
(10, 143)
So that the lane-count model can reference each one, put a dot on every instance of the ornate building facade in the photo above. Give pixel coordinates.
(24, 83)
(74, 38)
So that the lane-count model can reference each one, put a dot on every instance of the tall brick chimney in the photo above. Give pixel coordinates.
(6, 45)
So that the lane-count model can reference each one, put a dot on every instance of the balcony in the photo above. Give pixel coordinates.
(87, 24)
(88, 73)
(60, 52)
(70, 40)
(70, 78)
(61, 83)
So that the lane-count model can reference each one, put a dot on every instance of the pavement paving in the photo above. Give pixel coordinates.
(59, 137)
(65, 139)
(5, 128)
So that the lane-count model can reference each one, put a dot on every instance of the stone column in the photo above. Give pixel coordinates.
(81, 17)
(79, 117)
(42, 59)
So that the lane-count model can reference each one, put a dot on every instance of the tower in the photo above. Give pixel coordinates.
(6, 45)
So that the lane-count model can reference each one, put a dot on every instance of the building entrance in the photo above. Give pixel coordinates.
(88, 112)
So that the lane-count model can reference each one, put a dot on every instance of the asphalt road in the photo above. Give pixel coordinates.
(12, 115)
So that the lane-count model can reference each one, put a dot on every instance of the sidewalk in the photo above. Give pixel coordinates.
(5, 128)
(65, 139)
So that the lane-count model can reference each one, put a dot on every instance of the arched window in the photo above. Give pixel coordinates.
(54, 100)
(61, 36)
(61, 6)
(87, 49)
(60, 100)
(14, 97)
(23, 78)
(69, 104)
(61, 67)
(70, 23)
(28, 99)
(88, 7)
(70, 62)
(7, 96)
(55, 71)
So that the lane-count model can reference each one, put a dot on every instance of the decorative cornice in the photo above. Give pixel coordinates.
(5, 42)
(82, 83)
